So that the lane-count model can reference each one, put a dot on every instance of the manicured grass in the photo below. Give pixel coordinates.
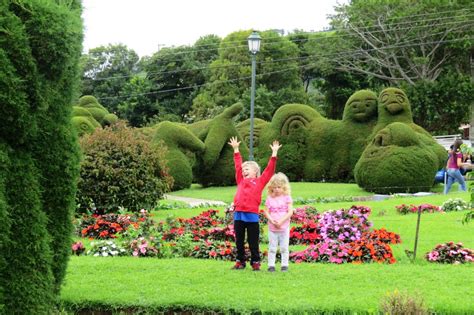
(299, 190)
(126, 282)
(176, 284)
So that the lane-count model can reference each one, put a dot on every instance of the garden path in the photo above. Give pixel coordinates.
(193, 202)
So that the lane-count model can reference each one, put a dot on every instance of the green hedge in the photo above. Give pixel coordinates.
(38, 73)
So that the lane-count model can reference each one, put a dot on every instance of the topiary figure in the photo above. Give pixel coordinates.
(243, 129)
(97, 114)
(83, 121)
(336, 145)
(181, 144)
(215, 165)
(290, 125)
(397, 160)
(394, 106)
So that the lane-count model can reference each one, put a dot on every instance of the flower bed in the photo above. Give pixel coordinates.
(425, 208)
(450, 253)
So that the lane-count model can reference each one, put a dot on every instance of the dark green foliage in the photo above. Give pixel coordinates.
(441, 106)
(40, 45)
(107, 71)
(121, 168)
(181, 144)
(4, 218)
(396, 161)
(28, 280)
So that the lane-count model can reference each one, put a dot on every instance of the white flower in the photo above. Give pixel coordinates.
(104, 248)
(105, 254)
(114, 253)
(96, 254)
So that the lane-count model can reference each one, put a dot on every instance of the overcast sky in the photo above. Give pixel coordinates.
(146, 25)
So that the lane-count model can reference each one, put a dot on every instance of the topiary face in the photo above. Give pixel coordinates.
(361, 106)
(396, 161)
(394, 102)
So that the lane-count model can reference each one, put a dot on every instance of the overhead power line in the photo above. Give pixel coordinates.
(278, 71)
(151, 74)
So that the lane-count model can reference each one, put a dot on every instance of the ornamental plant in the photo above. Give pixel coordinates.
(215, 250)
(450, 253)
(78, 248)
(307, 233)
(345, 225)
(144, 247)
(426, 207)
(304, 213)
(455, 204)
(105, 249)
(120, 167)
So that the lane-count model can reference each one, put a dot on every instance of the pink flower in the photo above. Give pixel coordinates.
(135, 253)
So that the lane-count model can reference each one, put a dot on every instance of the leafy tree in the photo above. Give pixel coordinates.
(106, 70)
(137, 106)
(429, 98)
(277, 69)
(402, 41)
(176, 74)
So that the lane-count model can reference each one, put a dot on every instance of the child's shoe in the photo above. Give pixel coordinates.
(284, 268)
(238, 265)
(256, 266)
(271, 269)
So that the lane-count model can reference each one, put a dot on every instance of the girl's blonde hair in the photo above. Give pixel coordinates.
(279, 180)
(253, 165)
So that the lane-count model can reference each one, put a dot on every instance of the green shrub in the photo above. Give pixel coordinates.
(121, 168)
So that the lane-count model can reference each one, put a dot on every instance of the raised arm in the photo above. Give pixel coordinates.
(234, 143)
(270, 169)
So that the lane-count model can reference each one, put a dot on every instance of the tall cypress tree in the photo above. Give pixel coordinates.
(40, 45)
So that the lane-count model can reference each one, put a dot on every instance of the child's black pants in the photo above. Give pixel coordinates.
(253, 234)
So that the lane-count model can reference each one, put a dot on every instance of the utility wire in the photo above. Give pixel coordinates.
(151, 74)
(278, 71)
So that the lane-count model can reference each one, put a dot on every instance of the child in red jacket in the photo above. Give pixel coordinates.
(247, 202)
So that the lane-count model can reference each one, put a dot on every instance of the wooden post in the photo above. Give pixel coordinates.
(417, 232)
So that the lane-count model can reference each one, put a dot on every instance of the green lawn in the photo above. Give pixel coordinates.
(299, 190)
(126, 283)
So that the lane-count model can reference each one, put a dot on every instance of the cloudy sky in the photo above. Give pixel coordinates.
(147, 25)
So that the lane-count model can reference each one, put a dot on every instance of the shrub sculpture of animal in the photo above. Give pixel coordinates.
(215, 167)
(181, 144)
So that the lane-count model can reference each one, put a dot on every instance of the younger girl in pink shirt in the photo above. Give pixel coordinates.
(278, 210)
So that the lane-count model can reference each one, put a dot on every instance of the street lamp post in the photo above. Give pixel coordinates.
(254, 47)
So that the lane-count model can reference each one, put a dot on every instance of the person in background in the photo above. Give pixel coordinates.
(278, 210)
(453, 168)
